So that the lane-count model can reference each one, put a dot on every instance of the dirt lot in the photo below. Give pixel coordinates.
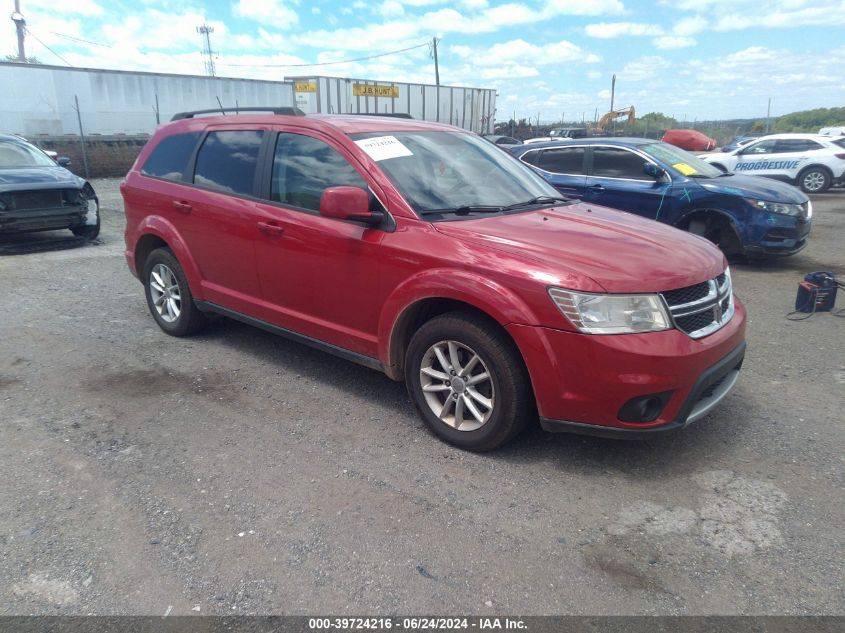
(237, 472)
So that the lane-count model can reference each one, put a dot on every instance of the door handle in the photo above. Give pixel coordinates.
(597, 187)
(182, 207)
(266, 228)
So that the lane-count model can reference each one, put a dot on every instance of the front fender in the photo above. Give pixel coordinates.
(497, 301)
(164, 229)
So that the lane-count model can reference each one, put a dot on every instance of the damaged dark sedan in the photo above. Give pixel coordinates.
(36, 194)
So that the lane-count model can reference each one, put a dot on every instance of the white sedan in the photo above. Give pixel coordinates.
(811, 161)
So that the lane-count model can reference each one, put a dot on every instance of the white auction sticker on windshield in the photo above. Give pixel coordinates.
(383, 147)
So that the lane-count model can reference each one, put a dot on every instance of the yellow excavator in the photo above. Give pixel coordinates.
(613, 115)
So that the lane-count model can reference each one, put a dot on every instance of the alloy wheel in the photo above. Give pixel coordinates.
(165, 293)
(457, 385)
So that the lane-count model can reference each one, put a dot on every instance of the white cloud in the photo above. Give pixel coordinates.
(77, 7)
(391, 8)
(267, 12)
(689, 26)
(666, 42)
(608, 30)
(521, 52)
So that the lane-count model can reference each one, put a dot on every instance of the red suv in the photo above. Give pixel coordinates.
(425, 252)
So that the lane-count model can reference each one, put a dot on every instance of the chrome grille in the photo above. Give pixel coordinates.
(703, 308)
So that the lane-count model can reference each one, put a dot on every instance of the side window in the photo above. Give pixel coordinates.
(763, 147)
(304, 167)
(563, 160)
(530, 157)
(227, 159)
(170, 157)
(789, 145)
(617, 162)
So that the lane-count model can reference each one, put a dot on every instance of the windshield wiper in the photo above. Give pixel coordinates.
(466, 209)
(537, 200)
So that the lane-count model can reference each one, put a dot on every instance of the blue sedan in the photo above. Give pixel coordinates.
(741, 214)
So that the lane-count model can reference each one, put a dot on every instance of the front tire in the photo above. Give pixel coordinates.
(168, 295)
(89, 231)
(468, 382)
(814, 180)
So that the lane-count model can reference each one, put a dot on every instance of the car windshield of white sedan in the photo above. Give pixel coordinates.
(684, 162)
(14, 155)
(455, 173)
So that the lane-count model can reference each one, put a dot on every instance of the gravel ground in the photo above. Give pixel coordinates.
(237, 472)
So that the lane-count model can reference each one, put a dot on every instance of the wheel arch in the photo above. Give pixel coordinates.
(706, 211)
(827, 170)
(156, 232)
(433, 293)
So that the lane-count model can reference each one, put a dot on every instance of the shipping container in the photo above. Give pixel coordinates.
(38, 99)
(470, 108)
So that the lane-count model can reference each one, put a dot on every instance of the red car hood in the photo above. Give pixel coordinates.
(619, 251)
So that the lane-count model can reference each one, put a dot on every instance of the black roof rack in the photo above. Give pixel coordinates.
(285, 110)
(395, 115)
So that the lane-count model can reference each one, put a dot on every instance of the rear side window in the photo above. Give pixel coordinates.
(615, 162)
(530, 157)
(304, 167)
(227, 160)
(170, 157)
(787, 145)
(562, 160)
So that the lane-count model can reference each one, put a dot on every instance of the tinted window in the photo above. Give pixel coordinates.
(763, 147)
(170, 157)
(304, 167)
(530, 157)
(795, 145)
(227, 160)
(840, 142)
(615, 162)
(562, 160)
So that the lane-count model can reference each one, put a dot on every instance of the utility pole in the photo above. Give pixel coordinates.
(612, 91)
(768, 114)
(20, 26)
(207, 31)
(434, 41)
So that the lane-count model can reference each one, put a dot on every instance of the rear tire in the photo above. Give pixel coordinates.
(168, 295)
(468, 381)
(814, 180)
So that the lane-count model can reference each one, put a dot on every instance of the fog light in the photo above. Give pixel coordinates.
(644, 408)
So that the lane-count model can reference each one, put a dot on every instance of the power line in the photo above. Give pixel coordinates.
(345, 61)
(79, 39)
(48, 48)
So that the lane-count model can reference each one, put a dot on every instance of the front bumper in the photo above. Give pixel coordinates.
(581, 382)
(41, 219)
(771, 234)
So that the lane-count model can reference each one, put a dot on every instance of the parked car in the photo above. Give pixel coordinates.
(36, 194)
(741, 214)
(832, 131)
(811, 161)
(738, 141)
(505, 141)
(691, 140)
(423, 251)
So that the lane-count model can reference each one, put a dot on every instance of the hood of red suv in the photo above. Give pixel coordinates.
(619, 251)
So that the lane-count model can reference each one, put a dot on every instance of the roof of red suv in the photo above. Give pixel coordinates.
(345, 123)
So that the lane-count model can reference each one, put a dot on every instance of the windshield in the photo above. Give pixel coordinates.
(447, 172)
(681, 160)
(15, 154)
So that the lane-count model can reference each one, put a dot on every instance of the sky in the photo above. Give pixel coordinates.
(691, 59)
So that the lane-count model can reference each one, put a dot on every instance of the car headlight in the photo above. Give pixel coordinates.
(780, 208)
(612, 314)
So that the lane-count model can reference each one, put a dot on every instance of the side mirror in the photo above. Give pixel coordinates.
(63, 161)
(347, 203)
(654, 171)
